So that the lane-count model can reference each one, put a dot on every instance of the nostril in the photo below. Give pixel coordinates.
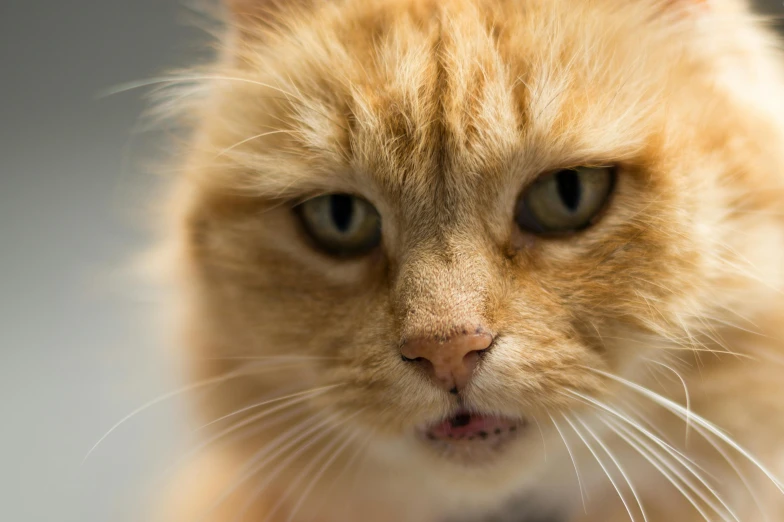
(420, 361)
(450, 361)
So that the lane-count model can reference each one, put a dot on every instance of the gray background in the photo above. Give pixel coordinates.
(76, 349)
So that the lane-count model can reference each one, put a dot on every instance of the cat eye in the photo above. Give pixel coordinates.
(565, 201)
(341, 224)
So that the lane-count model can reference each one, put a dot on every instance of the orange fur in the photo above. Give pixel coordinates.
(439, 113)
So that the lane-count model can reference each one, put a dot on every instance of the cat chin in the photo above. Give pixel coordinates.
(481, 475)
(453, 480)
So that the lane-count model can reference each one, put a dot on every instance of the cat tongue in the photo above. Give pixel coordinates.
(470, 426)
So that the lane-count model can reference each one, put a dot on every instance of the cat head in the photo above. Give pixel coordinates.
(451, 220)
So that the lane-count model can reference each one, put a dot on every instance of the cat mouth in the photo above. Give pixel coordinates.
(465, 428)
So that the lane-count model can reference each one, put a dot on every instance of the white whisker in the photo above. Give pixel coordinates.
(319, 474)
(288, 460)
(307, 393)
(541, 434)
(682, 459)
(627, 420)
(604, 468)
(251, 423)
(160, 399)
(170, 80)
(276, 358)
(685, 391)
(246, 140)
(574, 463)
(671, 474)
(282, 442)
(617, 465)
(294, 484)
(742, 476)
(681, 412)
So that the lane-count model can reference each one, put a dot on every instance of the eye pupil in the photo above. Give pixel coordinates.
(569, 188)
(342, 210)
(565, 201)
(342, 225)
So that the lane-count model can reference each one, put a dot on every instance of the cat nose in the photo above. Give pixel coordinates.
(450, 361)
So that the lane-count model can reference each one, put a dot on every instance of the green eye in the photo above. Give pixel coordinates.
(565, 201)
(341, 225)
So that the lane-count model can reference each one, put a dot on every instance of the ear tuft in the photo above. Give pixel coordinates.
(243, 8)
(255, 8)
(251, 20)
(249, 14)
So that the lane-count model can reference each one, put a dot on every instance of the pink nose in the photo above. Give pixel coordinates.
(452, 361)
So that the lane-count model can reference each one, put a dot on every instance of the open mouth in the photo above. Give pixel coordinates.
(465, 426)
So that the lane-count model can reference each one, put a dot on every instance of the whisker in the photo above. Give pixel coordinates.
(574, 463)
(319, 474)
(682, 459)
(170, 80)
(685, 391)
(675, 345)
(681, 412)
(294, 484)
(246, 140)
(162, 398)
(697, 351)
(286, 358)
(640, 420)
(541, 434)
(361, 450)
(258, 461)
(657, 461)
(307, 393)
(293, 456)
(742, 476)
(601, 464)
(658, 440)
(357, 474)
(252, 427)
(617, 465)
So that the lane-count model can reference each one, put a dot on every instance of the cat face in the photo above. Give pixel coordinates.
(446, 216)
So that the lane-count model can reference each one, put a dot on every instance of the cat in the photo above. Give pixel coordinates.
(483, 259)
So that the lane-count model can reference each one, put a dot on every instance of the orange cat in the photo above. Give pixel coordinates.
(467, 260)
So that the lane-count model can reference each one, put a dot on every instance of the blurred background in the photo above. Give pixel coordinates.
(78, 351)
